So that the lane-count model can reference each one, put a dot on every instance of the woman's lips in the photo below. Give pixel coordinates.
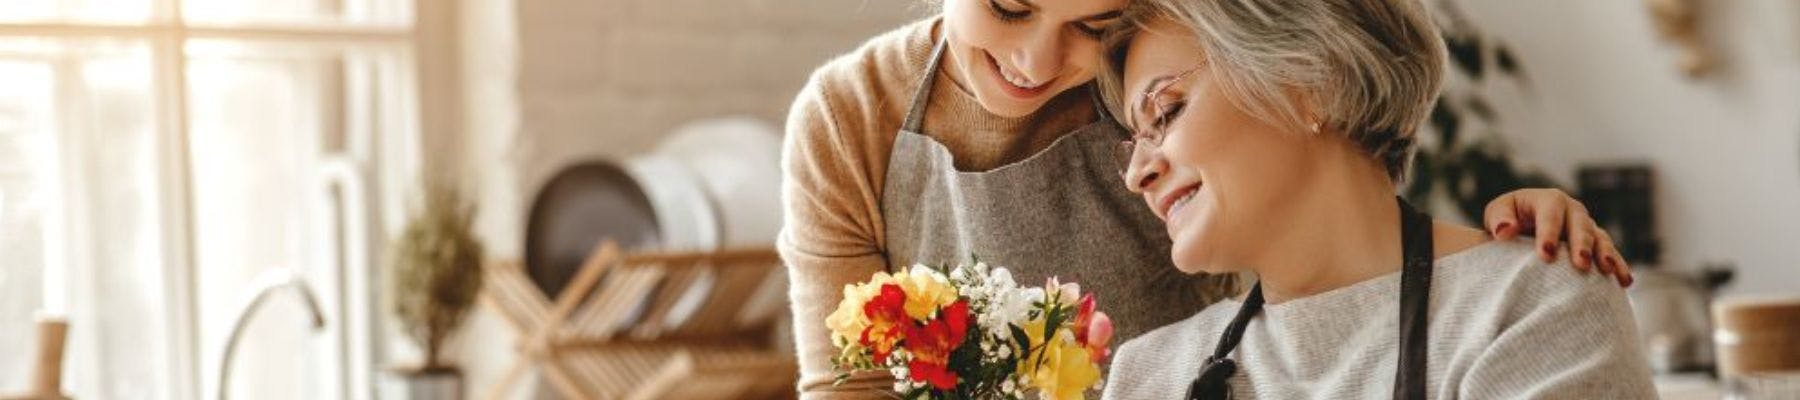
(1176, 201)
(1014, 90)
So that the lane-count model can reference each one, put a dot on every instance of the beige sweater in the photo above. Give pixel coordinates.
(1503, 325)
(835, 156)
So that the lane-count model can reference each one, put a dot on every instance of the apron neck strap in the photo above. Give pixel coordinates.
(1415, 293)
(915, 115)
(1415, 302)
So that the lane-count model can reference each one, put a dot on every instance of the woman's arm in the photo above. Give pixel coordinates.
(829, 237)
(1552, 212)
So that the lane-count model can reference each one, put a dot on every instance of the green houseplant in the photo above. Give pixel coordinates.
(1463, 156)
(435, 274)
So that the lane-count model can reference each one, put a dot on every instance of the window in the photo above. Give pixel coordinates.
(155, 155)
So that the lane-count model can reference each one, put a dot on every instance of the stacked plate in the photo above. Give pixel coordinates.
(710, 185)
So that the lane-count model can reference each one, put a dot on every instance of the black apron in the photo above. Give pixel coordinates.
(1415, 301)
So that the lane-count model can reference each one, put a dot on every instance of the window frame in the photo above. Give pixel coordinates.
(363, 184)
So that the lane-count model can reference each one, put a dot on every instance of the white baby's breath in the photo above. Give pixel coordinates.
(1006, 307)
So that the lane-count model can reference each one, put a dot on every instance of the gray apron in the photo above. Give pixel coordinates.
(1062, 212)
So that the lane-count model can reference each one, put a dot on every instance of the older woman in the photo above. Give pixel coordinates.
(1269, 136)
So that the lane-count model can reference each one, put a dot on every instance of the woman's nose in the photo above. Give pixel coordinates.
(1146, 169)
(1040, 59)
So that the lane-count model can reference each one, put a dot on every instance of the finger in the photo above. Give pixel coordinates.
(1549, 213)
(1501, 217)
(1608, 264)
(1610, 256)
(1581, 241)
(1625, 278)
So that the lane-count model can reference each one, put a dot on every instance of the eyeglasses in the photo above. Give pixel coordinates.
(1146, 136)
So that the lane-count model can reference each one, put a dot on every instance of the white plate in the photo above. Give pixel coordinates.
(738, 162)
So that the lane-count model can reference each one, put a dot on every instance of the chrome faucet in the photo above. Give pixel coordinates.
(266, 284)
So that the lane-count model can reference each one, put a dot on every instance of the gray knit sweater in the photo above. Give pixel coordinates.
(1503, 325)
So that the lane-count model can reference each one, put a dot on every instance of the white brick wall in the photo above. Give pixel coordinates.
(607, 78)
(549, 83)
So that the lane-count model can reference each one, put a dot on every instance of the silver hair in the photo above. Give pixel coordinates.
(1367, 69)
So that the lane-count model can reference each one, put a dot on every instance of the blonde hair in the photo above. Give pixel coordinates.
(1366, 69)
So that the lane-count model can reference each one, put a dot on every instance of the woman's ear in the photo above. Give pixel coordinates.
(1303, 109)
(1306, 105)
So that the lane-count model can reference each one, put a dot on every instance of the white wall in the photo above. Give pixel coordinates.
(1726, 147)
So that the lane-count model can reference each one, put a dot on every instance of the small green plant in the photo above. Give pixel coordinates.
(1472, 168)
(436, 271)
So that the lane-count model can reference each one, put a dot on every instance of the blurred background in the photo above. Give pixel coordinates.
(180, 175)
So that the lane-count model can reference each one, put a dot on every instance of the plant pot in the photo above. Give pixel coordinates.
(421, 384)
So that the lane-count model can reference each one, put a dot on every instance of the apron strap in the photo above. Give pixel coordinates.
(915, 115)
(1211, 384)
(1415, 303)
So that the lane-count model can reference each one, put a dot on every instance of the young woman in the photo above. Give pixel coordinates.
(976, 132)
(1270, 138)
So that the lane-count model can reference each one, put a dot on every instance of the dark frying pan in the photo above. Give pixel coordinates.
(578, 207)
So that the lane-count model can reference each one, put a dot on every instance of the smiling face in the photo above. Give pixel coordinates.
(1015, 55)
(1220, 177)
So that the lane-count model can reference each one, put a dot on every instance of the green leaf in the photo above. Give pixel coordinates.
(1019, 336)
(1465, 53)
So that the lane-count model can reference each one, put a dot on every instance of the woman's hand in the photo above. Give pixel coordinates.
(1550, 213)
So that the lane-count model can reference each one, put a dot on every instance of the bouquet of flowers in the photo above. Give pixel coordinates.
(971, 333)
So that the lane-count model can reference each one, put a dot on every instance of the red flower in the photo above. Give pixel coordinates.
(1093, 329)
(1084, 312)
(932, 343)
(938, 376)
(887, 321)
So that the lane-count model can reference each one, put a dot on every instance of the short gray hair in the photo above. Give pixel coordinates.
(1371, 68)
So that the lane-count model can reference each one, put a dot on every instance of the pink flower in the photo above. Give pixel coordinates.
(1093, 329)
(1099, 336)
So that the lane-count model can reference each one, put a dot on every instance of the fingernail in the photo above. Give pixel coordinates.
(1502, 227)
(1587, 255)
(1549, 249)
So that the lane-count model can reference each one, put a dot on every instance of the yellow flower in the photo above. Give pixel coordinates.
(1061, 368)
(848, 321)
(926, 292)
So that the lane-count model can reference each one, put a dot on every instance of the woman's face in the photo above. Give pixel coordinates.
(1221, 176)
(1015, 55)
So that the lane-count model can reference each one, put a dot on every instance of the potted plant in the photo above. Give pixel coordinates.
(434, 276)
(1470, 168)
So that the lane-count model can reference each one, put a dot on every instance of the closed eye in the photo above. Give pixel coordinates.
(1170, 112)
(1006, 14)
(1089, 30)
